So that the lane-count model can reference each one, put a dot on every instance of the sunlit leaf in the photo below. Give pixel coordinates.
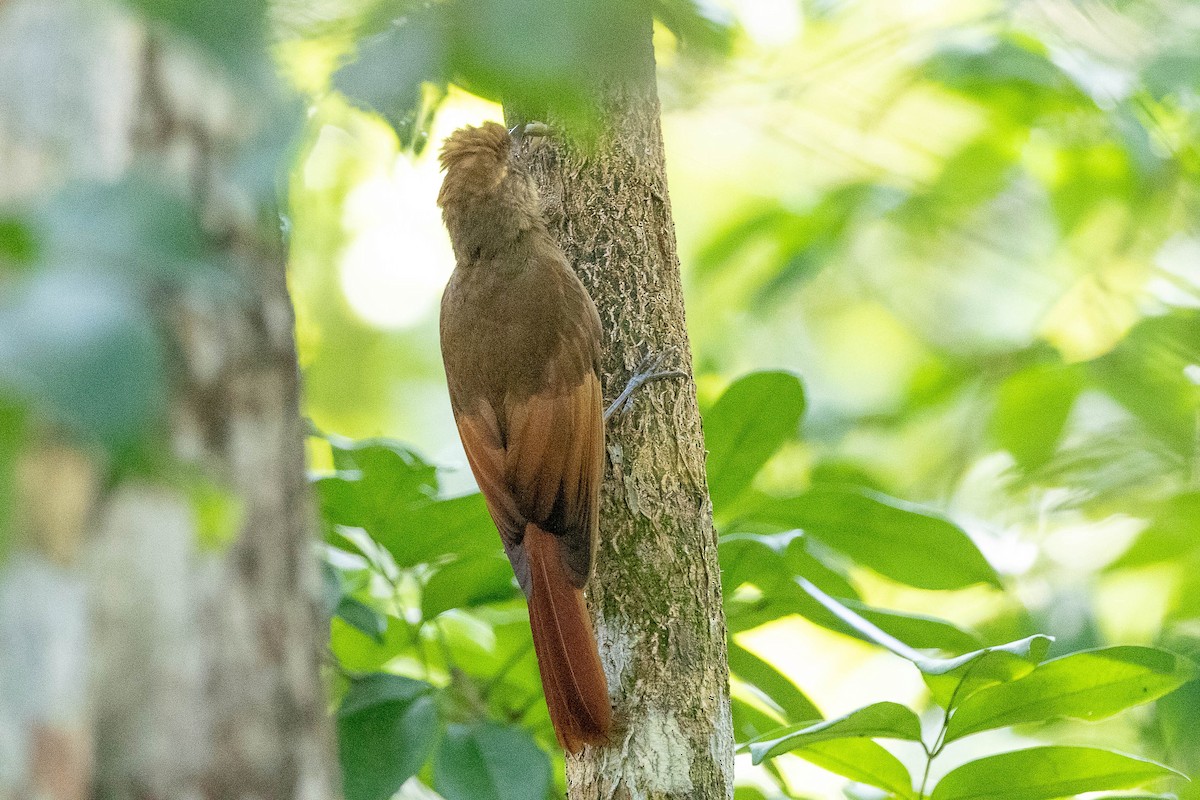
(12, 439)
(699, 26)
(1090, 685)
(748, 793)
(942, 674)
(1012, 72)
(748, 424)
(956, 679)
(1170, 535)
(1031, 410)
(361, 653)
(757, 560)
(363, 618)
(392, 493)
(916, 630)
(861, 760)
(1045, 773)
(1146, 374)
(466, 583)
(429, 530)
(878, 721)
(899, 540)
(786, 695)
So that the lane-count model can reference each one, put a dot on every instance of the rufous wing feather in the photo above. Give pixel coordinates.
(541, 483)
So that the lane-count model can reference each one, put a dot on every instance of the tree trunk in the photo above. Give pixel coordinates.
(656, 592)
(137, 661)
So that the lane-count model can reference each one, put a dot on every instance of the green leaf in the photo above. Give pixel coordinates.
(429, 530)
(861, 760)
(543, 54)
(1013, 73)
(1174, 71)
(1046, 773)
(1170, 535)
(1090, 685)
(12, 441)
(366, 654)
(136, 227)
(381, 689)
(817, 237)
(218, 512)
(748, 424)
(363, 618)
(805, 558)
(1146, 373)
(748, 793)
(755, 224)
(400, 73)
(1031, 410)
(916, 630)
(331, 588)
(490, 762)
(695, 26)
(391, 492)
(233, 33)
(85, 354)
(878, 721)
(758, 673)
(757, 560)
(749, 720)
(954, 680)
(18, 245)
(942, 673)
(466, 583)
(899, 540)
(764, 559)
(386, 729)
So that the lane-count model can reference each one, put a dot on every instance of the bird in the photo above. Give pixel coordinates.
(521, 347)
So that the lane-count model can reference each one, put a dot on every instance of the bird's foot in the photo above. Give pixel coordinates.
(648, 371)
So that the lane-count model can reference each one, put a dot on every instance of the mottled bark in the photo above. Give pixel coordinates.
(656, 593)
(137, 661)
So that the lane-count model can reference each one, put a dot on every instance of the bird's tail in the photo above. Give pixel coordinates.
(572, 678)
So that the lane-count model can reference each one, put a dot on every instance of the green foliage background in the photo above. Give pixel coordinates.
(943, 273)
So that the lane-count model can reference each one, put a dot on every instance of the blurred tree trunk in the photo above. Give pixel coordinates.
(656, 593)
(137, 661)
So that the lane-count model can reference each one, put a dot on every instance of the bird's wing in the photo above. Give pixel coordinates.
(544, 468)
(555, 462)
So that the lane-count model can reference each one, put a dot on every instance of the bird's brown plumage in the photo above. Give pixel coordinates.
(521, 346)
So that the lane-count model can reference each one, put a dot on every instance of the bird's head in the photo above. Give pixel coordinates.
(478, 161)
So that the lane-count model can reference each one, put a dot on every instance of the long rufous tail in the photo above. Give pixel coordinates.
(572, 678)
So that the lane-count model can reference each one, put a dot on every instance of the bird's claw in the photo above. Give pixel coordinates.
(649, 369)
